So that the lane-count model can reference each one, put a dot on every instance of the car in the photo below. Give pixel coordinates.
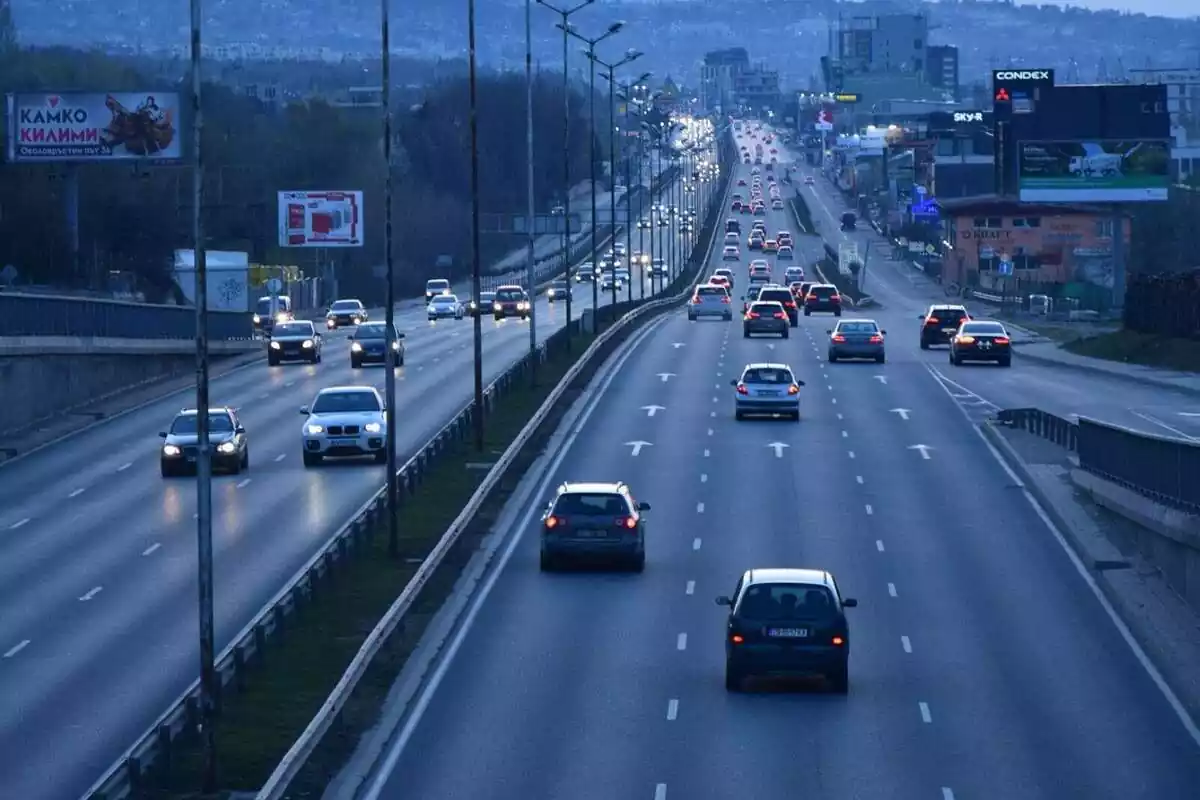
(777, 204)
(759, 210)
(849, 221)
(724, 272)
(750, 296)
(755, 241)
(640, 258)
(593, 521)
(344, 421)
(767, 389)
(658, 268)
(297, 340)
(857, 338)
(823, 297)
(486, 299)
(759, 227)
(760, 273)
(720, 280)
(785, 253)
(783, 296)
(585, 272)
(731, 253)
(434, 287)
(981, 341)
(940, 323)
(444, 306)
(793, 274)
(619, 249)
(511, 301)
(808, 180)
(784, 237)
(736, 205)
(663, 222)
(733, 239)
(229, 447)
(345, 312)
(558, 290)
(763, 317)
(741, 182)
(801, 292)
(770, 246)
(368, 345)
(271, 310)
(787, 622)
(644, 224)
(733, 226)
(756, 171)
(610, 281)
(710, 300)
(797, 290)
(771, 163)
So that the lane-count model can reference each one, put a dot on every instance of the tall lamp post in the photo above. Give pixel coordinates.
(530, 208)
(476, 279)
(591, 43)
(564, 23)
(390, 345)
(626, 96)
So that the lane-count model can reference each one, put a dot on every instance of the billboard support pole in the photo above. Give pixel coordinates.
(1118, 257)
(71, 212)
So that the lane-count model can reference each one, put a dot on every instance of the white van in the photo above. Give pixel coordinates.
(435, 287)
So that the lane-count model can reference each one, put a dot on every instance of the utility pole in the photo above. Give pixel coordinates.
(390, 344)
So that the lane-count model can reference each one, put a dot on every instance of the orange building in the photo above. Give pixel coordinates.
(1046, 243)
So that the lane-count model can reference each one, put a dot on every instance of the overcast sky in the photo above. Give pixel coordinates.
(1164, 8)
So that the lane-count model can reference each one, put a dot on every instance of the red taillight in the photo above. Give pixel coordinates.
(931, 321)
(753, 315)
(780, 315)
(726, 299)
(741, 389)
(628, 523)
(1001, 340)
(839, 338)
(833, 298)
(737, 638)
(793, 389)
(790, 304)
(552, 522)
(838, 641)
(876, 339)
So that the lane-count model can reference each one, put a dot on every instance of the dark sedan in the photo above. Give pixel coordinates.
(369, 345)
(981, 341)
(230, 448)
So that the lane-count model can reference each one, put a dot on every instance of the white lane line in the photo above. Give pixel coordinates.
(869, 509)
(879, 545)
(715, 399)
(12, 651)
(673, 710)
(280, 457)
(906, 644)
(717, 386)
(710, 432)
(706, 453)
(696, 543)
(289, 384)
(704, 477)
(151, 549)
(21, 523)
(242, 484)
(76, 493)
(947, 793)
(925, 715)
(1156, 421)
(845, 434)
(839, 416)
(892, 590)
(833, 400)
(681, 642)
(699, 508)
(852, 454)
(95, 590)
(713, 413)
(125, 466)
(858, 479)
(660, 792)
(829, 386)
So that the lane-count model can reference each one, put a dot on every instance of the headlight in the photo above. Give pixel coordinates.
(496, 307)
(226, 447)
(257, 319)
(522, 306)
(281, 317)
(315, 428)
(275, 345)
(171, 450)
(395, 345)
(330, 322)
(308, 343)
(356, 348)
(550, 293)
(372, 427)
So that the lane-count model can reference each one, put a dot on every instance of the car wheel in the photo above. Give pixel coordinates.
(1006, 362)
(795, 323)
(831, 358)
(400, 361)
(316, 359)
(880, 359)
(786, 333)
(733, 678)
(837, 313)
(355, 363)
(236, 469)
(546, 562)
(272, 361)
(691, 317)
(745, 333)
(839, 680)
(167, 472)
(924, 345)
(807, 313)
(381, 456)
(246, 459)
(954, 361)
(638, 562)
(312, 459)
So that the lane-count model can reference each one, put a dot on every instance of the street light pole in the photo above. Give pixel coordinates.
(529, 200)
(390, 345)
(208, 669)
(626, 96)
(564, 14)
(476, 280)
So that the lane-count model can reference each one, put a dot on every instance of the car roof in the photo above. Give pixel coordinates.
(191, 412)
(766, 365)
(436, 280)
(947, 307)
(591, 487)
(349, 390)
(348, 300)
(788, 575)
(509, 286)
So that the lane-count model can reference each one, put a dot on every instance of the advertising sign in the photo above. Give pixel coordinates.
(847, 97)
(967, 117)
(824, 120)
(320, 219)
(91, 126)
(1094, 172)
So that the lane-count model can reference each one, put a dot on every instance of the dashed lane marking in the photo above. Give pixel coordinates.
(21, 523)
(681, 642)
(76, 493)
(906, 643)
(690, 588)
(673, 709)
(926, 717)
(95, 590)
(858, 479)
(242, 484)
(851, 454)
(151, 549)
(18, 647)
(125, 466)
(660, 792)
(879, 545)
(870, 510)
(696, 543)
(892, 590)
(281, 457)
(699, 508)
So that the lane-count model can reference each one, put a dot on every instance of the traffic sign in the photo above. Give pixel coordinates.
(1006, 267)
(274, 285)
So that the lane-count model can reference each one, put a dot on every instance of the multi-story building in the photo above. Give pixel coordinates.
(886, 57)
(757, 89)
(941, 68)
(719, 75)
(1183, 103)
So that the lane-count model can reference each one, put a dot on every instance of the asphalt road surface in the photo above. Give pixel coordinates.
(98, 556)
(983, 665)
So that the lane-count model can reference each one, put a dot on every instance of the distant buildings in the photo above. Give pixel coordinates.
(888, 57)
(727, 81)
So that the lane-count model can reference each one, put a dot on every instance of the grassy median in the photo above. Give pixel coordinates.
(283, 690)
(1129, 347)
(803, 215)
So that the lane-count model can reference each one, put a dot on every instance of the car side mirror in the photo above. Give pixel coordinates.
(884, 333)
(162, 434)
(239, 429)
(643, 507)
(724, 601)
(849, 602)
(733, 382)
(829, 331)
(304, 410)
(399, 335)
(921, 317)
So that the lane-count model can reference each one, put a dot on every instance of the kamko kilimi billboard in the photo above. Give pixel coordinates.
(53, 127)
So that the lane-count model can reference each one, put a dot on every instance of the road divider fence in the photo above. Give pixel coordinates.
(151, 755)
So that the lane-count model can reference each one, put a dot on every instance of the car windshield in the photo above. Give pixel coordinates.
(294, 329)
(777, 295)
(857, 327)
(445, 299)
(378, 331)
(770, 375)
(487, 297)
(264, 305)
(948, 314)
(987, 328)
(587, 504)
(711, 291)
(346, 305)
(787, 601)
(185, 424)
(339, 402)
(510, 295)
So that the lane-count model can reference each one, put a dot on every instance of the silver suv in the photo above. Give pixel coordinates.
(710, 301)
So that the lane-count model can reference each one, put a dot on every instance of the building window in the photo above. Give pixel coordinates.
(1027, 222)
(988, 223)
(1104, 228)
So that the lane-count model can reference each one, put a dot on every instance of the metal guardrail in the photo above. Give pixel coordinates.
(52, 315)
(132, 770)
(1162, 468)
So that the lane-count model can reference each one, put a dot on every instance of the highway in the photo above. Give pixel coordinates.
(983, 665)
(98, 555)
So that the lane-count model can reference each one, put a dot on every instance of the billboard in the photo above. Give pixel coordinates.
(320, 219)
(824, 120)
(1094, 172)
(93, 126)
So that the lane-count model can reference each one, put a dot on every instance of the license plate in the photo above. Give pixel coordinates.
(949, 330)
(788, 633)
(191, 459)
(985, 345)
(768, 394)
(592, 533)
(343, 441)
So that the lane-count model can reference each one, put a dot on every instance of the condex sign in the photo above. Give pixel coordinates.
(1027, 75)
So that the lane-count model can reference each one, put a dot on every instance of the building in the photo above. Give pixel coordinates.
(941, 68)
(719, 75)
(887, 57)
(757, 89)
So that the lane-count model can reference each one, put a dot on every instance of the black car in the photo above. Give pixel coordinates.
(345, 312)
(594, 520)
(267, 312)
(981, 341)
(940, 323)
(784, 297)
(558, 290)
(823, 297)
(227, 439)
(369, 345)
(787, 623)
(297, 340)
(849, 221)
(485, 302)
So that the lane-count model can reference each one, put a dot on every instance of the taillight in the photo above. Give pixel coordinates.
(628, 523)
(931, 321)
(737, 638)
(833, 298)
(790, 304)
(552, 522)
(741, 389)
(793, 389)
(753, 315)
(726, 299)
(876, 339)
(965, 339)
(780, 315)
(1001, 340)
(837, 337)
(838, 641)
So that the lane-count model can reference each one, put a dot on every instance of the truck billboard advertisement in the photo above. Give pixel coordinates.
(321, 219)
(1094, 172)
(93, 126)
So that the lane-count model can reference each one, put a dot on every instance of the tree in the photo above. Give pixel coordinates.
(8, 30)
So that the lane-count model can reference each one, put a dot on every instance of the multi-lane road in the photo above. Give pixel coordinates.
(984, 664)
(98, 556)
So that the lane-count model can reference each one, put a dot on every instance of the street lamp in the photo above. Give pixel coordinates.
(389, 314)
(564, 15)
(630, 56)
(591, 43)
(626, 96)
(476, 279)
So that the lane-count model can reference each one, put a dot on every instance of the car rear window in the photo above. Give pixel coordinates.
(591, 504)
(763, 307)
(858, 327)
(510, 295)
(988, 328)
(787, 601)
(767, 375)
(949, 314)
(711, 291)
(822, 291)
(777, 295)
(760, 270)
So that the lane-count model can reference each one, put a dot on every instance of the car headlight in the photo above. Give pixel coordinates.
(356, 348)
(330, 322)
(226, 447)
(308, 343)
(257, 319)
(395, 345)
(550, 293)
(496, 307)
(171, 450)
(281, 317)
(275, 345)
(372, 427)
(313, 428)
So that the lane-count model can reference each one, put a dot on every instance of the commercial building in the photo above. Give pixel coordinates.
(719, 75)
(941, 68)
(757, 89)
(888, 57)
(1183, 104)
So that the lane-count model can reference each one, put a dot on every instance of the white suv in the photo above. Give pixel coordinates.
(344, 421)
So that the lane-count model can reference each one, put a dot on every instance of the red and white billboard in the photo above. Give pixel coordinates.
(824, 120)
(320, 219)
